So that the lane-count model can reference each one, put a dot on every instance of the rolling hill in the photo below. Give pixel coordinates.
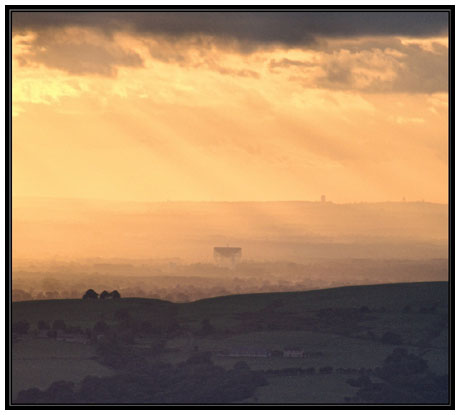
(347, 329)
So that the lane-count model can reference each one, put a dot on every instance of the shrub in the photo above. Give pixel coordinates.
(43, 325)
(90, 295)
(104, 294)
(122, 314)
(391, 338)
(101, 327)
(241, 365)
(21, 327)
(325, 370)
(59, 325)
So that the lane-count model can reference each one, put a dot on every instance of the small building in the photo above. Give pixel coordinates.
(227, 256)
(72, 338)
(291, 352)
(43, 334)
(247, 353)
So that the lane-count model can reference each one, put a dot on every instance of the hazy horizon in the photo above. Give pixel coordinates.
(295, 136)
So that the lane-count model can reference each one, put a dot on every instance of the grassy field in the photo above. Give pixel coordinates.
(327, 321)
(300, 389)
(337, 351)
(40, 362)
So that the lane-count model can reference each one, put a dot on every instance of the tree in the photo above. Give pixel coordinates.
(115, 295)
(104, 294)
(206, 327)
(199, 358)
(122, 314)
(43, 325)
(90, 295)
(59, 325)
(21, 327)
(403, 378)
(391, 338)
(60, 392)
(326, 370)
(241, 365)
(52, 334)
(32, 395)
(101, 327)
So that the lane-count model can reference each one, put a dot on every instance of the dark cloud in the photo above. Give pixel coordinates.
(250, 28)
(416, 70)
(421, 71)
(288, 63)
(77, 55)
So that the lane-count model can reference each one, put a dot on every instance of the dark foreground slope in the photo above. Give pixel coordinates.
(339, 335)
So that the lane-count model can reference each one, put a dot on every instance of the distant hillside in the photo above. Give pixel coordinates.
(265, 230)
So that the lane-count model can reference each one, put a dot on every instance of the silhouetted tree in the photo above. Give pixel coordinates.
(407, 309)
(391, 338)
(122, 314)
(52, 334)
(90, 295)
(199, 358)
(145, 327)
(32, 395)
(101, 327)
(158, 345)
(115, 295)
(21, 327)
(326, 370)
(406, 379)
(241, 365)
(206, 328)
(59, 325)
(43, 325)
(60, 392)
(104, 294)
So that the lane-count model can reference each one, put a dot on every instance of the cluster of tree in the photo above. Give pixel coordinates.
(93, 295)
(291, 371)
(20, 327)
(390, 337)
(344, 321)
(197, 380)
(404, 378)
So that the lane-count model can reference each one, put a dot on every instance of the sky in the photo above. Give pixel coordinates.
(211, 106)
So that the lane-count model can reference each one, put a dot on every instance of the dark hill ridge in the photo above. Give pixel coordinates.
(390, 296)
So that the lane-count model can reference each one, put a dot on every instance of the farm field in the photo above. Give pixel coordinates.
(40, 362)
(341, 329)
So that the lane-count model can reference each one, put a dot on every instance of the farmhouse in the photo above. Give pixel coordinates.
(291, 352)
(72, 338)
(42, 334)
(247, 353)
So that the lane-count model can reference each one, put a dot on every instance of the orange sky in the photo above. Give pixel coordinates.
(141, 117)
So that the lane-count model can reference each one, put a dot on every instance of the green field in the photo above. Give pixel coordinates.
(343, 326)
(40, 362)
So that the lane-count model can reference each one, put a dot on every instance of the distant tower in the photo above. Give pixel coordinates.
(227, 256)
(323, 198)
